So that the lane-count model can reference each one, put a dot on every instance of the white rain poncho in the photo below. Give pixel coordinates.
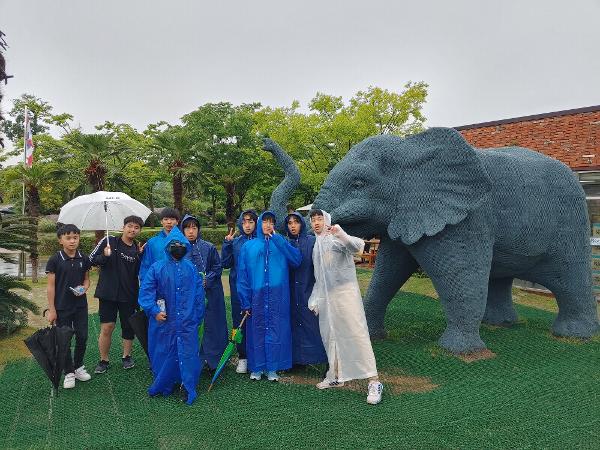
(337, 300)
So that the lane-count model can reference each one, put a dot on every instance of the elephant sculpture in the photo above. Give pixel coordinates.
(472, 220)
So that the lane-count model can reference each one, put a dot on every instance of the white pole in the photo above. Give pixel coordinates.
(22, 261)
(24, 153)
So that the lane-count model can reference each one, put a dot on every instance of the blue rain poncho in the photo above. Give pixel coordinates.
(154, 251)
(206, 258)
(307, 345)
(263, 286)
(173, 344)
(230, 255)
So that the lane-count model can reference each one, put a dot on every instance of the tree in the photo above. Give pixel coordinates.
(227, 150)
(40, 116)
(15, 234)
(34, 178)
(174, 149)
(318, 140)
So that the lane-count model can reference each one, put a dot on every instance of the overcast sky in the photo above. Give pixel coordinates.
(143, 61)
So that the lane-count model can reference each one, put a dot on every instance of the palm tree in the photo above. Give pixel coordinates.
(15, 234)
(34, 178)
(99, 155)
(175, 149)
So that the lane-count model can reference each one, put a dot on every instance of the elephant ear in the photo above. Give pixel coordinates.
(442, 179)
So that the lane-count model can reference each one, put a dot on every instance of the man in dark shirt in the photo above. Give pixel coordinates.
(117, 290)
(68, 281)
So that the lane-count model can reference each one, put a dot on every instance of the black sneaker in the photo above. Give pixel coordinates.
(128, 362)
(101, 367)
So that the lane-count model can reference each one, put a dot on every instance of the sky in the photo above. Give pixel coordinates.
(141, 61)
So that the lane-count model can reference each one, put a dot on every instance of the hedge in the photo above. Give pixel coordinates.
(48, 243)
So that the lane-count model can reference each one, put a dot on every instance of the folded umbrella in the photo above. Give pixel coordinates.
(50, 346)
(236, 338)
(139, 323)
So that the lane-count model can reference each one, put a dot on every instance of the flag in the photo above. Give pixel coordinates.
(29, 147)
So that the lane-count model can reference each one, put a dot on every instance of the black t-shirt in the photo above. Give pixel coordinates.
(128, 267)
(68, 272)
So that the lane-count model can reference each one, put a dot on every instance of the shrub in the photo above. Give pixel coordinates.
(46, 226)
(153, 220)
(13, 307)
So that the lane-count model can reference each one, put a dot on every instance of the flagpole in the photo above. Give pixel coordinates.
(24, 153)
(22, 261)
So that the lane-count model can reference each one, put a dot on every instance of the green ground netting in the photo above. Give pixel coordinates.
(538, 392)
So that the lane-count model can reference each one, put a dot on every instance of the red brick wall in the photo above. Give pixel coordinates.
(564, 137)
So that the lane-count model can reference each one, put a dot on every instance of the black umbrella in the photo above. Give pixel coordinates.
(50, 347)
(139, 322)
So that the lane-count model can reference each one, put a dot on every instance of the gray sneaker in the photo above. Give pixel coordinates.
(128, 362)
(101, 367)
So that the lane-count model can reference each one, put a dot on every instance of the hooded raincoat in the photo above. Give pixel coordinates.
(173, 343)
(336, 297)
(263, 286)
(206, 258)
(230, 255)
(154, 251)
(307, 346)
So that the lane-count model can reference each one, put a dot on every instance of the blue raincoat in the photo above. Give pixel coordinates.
(154, 251)
(230, 255)
(206, 258)
(307, 345)
(263, 286)
(173, 344)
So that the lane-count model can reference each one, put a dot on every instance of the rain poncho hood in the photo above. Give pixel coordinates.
(337, 300)
(173, 343)
(241, 218)
(307, 346)
(263, 287)
(205, 257)
(302, 225)
(153, 252)
(187, 218)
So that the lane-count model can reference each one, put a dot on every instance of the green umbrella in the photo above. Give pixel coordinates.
(236, 338)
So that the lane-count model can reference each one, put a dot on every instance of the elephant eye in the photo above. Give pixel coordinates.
(358, 183)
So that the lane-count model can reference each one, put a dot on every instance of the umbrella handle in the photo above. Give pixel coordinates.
(106, 221)
(243, 320)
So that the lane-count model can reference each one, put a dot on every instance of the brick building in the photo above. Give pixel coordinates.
(571, 136)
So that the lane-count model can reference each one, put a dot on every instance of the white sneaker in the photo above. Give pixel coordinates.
(256, 376)
(326, 384)
(375, 390)
(272, 376)
(69, 381)
(81, 374)
(242, 366)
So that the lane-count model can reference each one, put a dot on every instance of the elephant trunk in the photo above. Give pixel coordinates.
(284, 191)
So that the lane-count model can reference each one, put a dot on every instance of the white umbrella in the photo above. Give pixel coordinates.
(101, 211)
(305, 208)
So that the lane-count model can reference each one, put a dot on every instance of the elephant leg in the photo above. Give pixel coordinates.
(393, 266)
(571, 284)
(458, 261)
(499, 309)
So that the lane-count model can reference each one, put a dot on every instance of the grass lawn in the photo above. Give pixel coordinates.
(538, 392)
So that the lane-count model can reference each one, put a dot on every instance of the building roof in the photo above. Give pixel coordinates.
(566, 112)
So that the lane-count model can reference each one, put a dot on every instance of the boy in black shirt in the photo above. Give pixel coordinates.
(117, 289)
(68, 281)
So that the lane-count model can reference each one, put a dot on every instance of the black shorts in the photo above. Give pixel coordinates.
(108, 314)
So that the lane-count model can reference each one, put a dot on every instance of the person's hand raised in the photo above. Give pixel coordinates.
(231, 234)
